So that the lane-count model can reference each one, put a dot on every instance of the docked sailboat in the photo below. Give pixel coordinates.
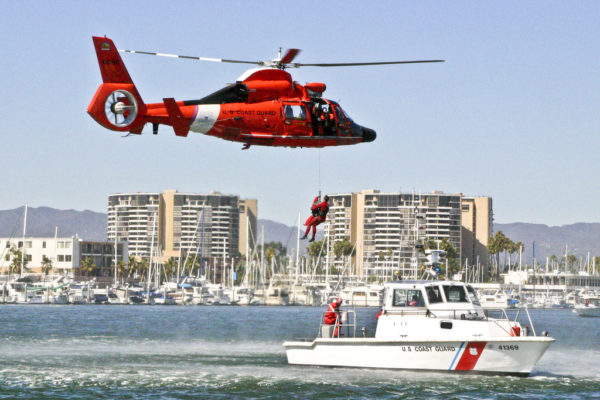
(427, 325)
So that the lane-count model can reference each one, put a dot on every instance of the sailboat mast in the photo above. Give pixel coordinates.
(116, 233)
(24, 230)
(297, 249)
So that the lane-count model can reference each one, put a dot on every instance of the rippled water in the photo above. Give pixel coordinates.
(150, 352)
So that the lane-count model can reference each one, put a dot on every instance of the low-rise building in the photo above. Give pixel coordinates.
(65, 255)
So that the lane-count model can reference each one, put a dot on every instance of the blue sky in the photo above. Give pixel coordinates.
(511, 114)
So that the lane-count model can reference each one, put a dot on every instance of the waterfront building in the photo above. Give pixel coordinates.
(65, 253)
(174, 223)
(476, 221)
(385, 227)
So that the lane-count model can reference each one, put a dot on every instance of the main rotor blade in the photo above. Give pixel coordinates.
(289, 56)
(191, 57)
(297, 65)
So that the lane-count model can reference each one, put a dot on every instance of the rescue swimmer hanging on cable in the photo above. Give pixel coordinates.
(319, 212)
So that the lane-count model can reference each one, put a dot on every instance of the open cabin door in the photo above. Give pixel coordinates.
(295, 120)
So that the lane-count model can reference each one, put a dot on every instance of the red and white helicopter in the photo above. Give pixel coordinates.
(264, 107)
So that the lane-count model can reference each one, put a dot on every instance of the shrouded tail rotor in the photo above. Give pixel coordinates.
(121, 108)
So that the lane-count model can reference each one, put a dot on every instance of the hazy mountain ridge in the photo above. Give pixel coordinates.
(41, 221)
(581, 238)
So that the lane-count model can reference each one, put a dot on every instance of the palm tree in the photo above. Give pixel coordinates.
(87, 267)
(343, 248)
(122, 268)
(170, 267)
(18, 263)
(46, 265)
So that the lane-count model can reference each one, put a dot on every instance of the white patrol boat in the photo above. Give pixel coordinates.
(428, 325)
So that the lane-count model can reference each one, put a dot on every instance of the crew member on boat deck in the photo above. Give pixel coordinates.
(332, 315)
(319, 214)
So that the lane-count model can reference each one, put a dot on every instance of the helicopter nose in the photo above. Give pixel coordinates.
(369, 135)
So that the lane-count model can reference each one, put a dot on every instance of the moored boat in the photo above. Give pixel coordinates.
(428, 325)
(590, 307)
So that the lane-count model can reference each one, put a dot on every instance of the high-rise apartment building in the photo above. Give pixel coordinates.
(384, 228)
(476, 229)
(176, 223)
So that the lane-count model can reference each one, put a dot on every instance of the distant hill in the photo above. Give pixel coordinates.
(580, 238)
(43, 221)
(288, 235)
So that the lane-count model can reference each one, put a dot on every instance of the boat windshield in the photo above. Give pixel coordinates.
(473, 295)
(434, 294)
(407, 298)
(455, 294)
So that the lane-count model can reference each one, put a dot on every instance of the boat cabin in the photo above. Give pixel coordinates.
(426, 308)
(414, 296)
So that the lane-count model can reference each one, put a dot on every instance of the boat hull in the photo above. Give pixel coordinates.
(513, 356)
(587, 311)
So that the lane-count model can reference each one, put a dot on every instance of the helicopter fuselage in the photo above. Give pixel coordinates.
(264, 107)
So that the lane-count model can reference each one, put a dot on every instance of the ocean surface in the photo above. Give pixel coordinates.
(179, 352)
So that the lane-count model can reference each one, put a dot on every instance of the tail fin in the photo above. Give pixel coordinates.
(111, 65)
(117, 105)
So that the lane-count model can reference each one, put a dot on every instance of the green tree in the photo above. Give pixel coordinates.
(170, 268)
(18, 262)
(142, 267)
(497, 244)
(46, 265)
(343, 248)
(87, 267)
(122, 269)
(314, 248)
(571, 262)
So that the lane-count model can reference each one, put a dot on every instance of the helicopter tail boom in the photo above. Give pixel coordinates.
(117, 105)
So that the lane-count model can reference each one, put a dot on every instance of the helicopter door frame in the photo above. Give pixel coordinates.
(295, 118)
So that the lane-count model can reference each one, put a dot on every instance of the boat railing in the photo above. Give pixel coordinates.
(344, 326)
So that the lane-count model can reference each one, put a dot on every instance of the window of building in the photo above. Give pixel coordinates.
(67, 245)
(20, 244)
(28, 257)
(28, 244)
(44, 244)
(7, 245)
(61, 258)
(68, 258)
(7, 257)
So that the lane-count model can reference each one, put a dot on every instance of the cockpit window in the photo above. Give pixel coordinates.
(340, 115)
(434, 294)
(407, 298)
(472, 295)
(455, 294)
(346, 114)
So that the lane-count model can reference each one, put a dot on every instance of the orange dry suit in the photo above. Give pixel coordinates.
(319, 214)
